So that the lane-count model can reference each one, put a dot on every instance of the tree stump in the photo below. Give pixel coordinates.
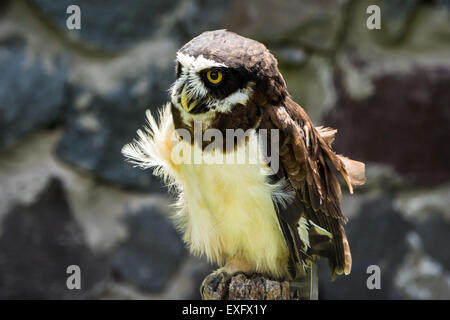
(243, 287)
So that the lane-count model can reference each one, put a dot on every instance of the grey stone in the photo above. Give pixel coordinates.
(311, 85)
(417, 204)
(420, 276)
(290, 57)
(382, 177)
(377, 236)
(398, 9)
(31, 95)
(444, 4)
(400, 16)
(406, 112)
(196, 16)
(38, 243)
(95, 134)
(152, 252)
(308, 24)
(4, 6)
(403, 22)
(435, 235)
(113, 25)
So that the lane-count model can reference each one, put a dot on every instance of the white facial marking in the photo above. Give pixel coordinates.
(190, 77)
(197, 64)
(239, 97)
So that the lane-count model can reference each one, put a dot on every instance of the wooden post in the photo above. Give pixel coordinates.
(243, 287)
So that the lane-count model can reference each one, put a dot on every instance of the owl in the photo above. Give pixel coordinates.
(278, 209)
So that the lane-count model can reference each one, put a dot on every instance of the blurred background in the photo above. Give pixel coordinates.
(70, 99)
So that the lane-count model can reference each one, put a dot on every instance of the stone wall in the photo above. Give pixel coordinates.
(69, 101)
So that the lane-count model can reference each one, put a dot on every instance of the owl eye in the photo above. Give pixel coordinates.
(214, 76)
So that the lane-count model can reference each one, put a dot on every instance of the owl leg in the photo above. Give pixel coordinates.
(215, 285)
(217, 282)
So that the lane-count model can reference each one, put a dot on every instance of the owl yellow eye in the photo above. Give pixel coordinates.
(214, 76)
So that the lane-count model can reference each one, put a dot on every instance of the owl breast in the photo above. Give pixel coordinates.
(227, 207)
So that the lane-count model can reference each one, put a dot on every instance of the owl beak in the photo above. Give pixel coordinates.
(186, 102)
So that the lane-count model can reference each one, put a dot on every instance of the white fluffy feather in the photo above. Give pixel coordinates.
(224, 211)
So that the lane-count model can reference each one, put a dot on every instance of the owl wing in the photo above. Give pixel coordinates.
(312, 169)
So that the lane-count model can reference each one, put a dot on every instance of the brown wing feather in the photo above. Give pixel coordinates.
(311, 166)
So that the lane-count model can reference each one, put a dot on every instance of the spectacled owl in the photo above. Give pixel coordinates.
(247, 217)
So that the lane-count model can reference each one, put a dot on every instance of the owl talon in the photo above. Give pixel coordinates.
(215, 285)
